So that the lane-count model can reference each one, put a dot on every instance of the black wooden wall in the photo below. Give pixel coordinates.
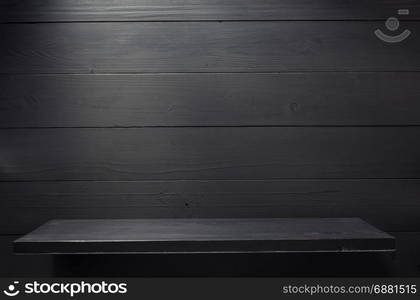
(208, 108)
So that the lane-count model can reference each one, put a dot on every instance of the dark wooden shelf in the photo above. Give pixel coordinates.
(204, 236)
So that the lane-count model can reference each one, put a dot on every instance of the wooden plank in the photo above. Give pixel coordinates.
(165, 236)
(203, 47)
(209, 153)
(406, 263)
(210, 99)
(391, 205)
(154, 10)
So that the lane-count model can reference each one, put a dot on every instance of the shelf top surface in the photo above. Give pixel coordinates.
(281, 233)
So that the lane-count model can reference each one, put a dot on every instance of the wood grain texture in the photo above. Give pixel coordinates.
(344, 97)
(203, 47)
(209, 153)
(391, 205)
(210, 99)
(146, 10)
(184, 236)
